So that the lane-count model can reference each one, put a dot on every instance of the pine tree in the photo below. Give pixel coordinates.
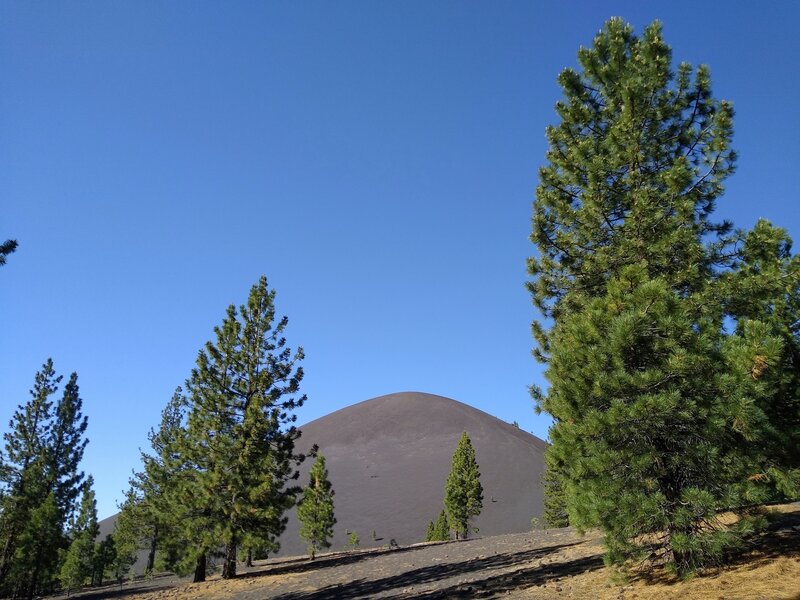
(40, 482)
(315, 509)
(430, 532)
(555, 500)
(240, 435)
(134, 528)
(463, 494)
(146, 518)
(80, 558)
(105, 554)
(65, 448)
(635, 167)
(762, 358)
(655, 425)
(439, 530)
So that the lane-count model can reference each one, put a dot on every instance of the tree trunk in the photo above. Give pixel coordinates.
(5, 557)
(151, 555)
(229, 564)
(200, 568)
(249, 561)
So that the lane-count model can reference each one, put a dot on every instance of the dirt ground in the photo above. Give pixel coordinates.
(536, 565)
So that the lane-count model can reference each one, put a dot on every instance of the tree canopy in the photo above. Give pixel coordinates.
(671, 362)
(315, 509)
(238, 446)
(463, 495)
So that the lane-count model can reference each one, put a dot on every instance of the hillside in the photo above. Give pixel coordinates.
(534, 565)
(388, 459)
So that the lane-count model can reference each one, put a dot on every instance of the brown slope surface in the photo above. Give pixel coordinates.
(388, 459)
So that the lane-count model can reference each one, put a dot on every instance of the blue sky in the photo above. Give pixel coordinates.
(376, 160)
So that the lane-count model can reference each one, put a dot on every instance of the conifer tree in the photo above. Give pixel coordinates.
(762, 359)
(463, 494)
(80, 558)
(555, 500)
(40, 482)
(146, 518)
(656, 426)
(439, 530)
(240, 434)
(430, 532)
(315, 509)
(66, 445)
(105, 554)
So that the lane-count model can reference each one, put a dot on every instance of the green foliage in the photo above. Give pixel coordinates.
(463, 494)
(353, 540)
(150, 516)
(634, 169)
(78, 564)
(105, 556)
(315, 509)
(439, 530)
(555, 499)
(6, 248)
(237, 454)
(663, 415)
(39, 484)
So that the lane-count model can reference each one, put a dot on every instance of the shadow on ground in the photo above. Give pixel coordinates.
(119, 591)
(483, 587)
(780, 538)
(303, 565)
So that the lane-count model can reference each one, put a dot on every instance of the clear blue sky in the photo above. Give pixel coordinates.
(376, 160)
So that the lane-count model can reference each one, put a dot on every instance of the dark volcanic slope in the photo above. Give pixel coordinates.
(388, 459)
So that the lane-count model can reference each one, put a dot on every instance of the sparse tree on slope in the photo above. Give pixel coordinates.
(315, 509)
(463, 494)
(240, 434)
(439, 530)
(655, 426)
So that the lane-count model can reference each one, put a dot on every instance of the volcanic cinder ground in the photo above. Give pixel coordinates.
(388, 459)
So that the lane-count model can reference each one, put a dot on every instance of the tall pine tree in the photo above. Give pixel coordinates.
(315, 509)
(463, 493)
(40, 482)
(655, 424)
(147, 519)
(240, 434)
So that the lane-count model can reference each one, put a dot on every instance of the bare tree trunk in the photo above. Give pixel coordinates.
(200, 568)
(249, 561)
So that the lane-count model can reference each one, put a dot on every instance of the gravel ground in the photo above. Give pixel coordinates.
(514, 565)
(554, 563)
